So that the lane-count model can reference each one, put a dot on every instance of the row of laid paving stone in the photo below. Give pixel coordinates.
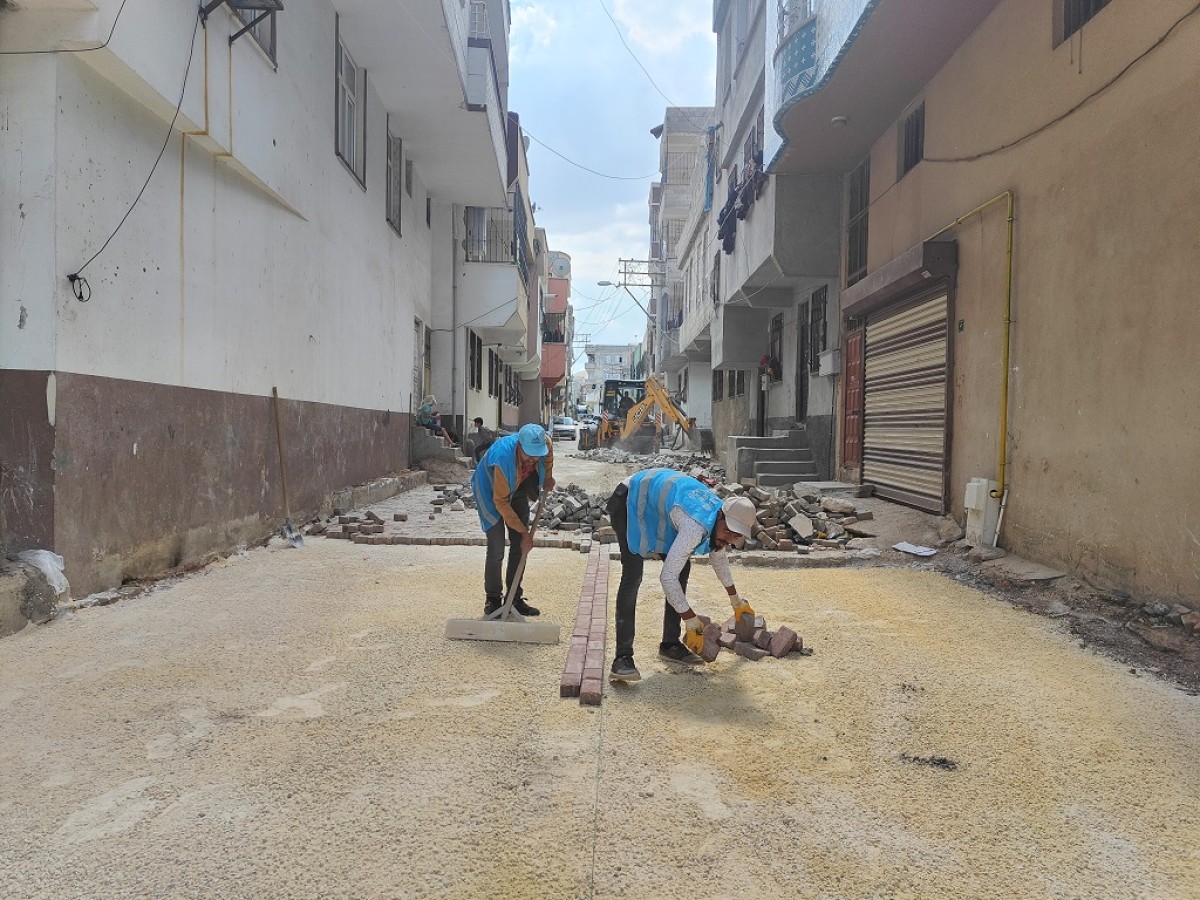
(583, 673)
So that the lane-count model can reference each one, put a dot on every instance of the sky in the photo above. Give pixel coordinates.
(578, 90)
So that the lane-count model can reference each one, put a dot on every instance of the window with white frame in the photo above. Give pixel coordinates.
(351, 113)
(395, 156)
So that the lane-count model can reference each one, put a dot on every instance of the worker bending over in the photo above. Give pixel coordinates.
(513, 471)
(664, 512)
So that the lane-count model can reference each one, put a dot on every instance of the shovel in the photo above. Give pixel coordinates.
(289, 530)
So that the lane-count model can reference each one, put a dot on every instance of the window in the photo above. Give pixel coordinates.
(859, 189)
(775, 351)
(817, 328)
(351, 114)
(408, 177)
(1074, 14)
(428, 212)
(395, 153)
(474, 361)
(912, 140)
(260, 26)
(715, 284)
(718, 388)
(731, 384)
(741, 382)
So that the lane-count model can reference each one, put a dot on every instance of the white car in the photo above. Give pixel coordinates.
(563, 428)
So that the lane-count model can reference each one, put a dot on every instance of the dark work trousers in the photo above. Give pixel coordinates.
(525, 491)
(631, 580)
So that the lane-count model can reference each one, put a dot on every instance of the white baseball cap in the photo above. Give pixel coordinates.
(739, 515)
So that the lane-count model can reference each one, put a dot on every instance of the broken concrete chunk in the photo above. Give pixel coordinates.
(837, 506)
(983, 554)
(950, 531)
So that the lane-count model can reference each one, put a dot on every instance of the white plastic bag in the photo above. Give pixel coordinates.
(51, 565)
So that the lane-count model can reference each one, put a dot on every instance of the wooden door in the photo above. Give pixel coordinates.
(852, 437)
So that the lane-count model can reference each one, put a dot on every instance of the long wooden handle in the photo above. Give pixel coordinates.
(520, 573)
(287, 507)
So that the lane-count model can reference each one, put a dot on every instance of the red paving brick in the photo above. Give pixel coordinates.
(583, 673)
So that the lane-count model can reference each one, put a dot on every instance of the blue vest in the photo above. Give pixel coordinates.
(652, 495)
(501, 454)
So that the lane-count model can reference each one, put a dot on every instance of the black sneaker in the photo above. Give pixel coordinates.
(680, 654)
(490, 606)
(623, 669)
(524, 608)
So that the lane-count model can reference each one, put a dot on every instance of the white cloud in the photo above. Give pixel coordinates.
(661, 27)
(533, 28)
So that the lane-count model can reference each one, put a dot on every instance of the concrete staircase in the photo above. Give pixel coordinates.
(425, 445)
(776, 461)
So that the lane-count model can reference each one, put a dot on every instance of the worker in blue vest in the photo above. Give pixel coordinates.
(664, 513)
(513, 471)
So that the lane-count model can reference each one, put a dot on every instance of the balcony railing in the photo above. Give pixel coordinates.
(489, 235)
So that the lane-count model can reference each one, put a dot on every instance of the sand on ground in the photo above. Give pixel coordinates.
(292, 723)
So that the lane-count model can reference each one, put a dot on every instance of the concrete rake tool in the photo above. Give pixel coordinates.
(506, 624)
(289, 530)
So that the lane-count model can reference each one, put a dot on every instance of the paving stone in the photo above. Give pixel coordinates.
(744, 627)
(727, 639)
(400, 517)
(749, 651)
(762, 638)
(782, 642)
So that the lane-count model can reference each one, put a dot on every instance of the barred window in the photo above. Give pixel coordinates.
(718, 385)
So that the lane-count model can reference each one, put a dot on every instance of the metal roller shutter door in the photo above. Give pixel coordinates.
(904, 422)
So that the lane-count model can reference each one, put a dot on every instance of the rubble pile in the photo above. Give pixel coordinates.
(573, 508)
(698, 465)
(798, 521)
(748, 637)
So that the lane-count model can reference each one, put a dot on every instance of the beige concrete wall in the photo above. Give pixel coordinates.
(1104, 423)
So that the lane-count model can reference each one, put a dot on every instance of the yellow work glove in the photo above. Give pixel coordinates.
(693, 635)
(740, 606)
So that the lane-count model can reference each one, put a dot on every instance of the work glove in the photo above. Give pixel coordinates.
(740, 606)
(693, 635)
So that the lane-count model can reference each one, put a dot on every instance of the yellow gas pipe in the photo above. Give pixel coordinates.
(1002, 453)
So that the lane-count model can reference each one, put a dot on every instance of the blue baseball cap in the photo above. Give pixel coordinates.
(532, 439)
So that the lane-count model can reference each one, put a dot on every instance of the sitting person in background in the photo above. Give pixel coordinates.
(429, 417)
(482, 437)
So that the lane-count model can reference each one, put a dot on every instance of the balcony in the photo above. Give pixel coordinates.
(442, 86)
(554, 364)
(859, 62)
(492, 292)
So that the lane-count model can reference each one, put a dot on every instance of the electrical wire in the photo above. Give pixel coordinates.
(983, 154)
(646, 71)
(111, 31)
(478, 317)
(587, 168)
(78, 283)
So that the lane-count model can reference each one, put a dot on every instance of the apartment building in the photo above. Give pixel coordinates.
(683, 158)
(558, 330)
(299, 232)
(1018, 259)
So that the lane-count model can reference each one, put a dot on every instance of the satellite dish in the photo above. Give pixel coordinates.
(561, 267)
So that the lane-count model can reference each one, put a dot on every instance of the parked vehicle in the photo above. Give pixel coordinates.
(563, 428)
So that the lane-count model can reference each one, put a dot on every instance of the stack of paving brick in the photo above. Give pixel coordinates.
(368, 528)
(797, 521)
(748, 637)
(583, 675)
(573, 509)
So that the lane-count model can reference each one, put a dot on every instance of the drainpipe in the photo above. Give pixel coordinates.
(454, 330)
(1002, 451)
